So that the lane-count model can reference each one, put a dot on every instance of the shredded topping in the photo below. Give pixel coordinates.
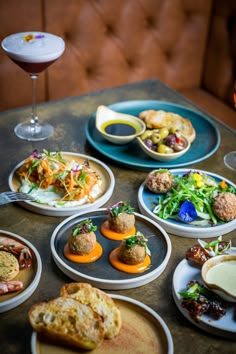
(70, 180)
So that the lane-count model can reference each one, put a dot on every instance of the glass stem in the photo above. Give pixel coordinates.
(34, 118)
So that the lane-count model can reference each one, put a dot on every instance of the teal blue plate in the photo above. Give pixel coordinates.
(206, 143)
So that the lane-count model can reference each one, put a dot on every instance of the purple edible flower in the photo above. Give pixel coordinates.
(76, 169)
(39, 36)
(35, 154)
(187, 212)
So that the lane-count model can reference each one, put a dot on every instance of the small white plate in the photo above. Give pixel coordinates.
(184, 273)
(108, 184)
(137, 320)
(30, 276)
(148, 200)
(101, 274)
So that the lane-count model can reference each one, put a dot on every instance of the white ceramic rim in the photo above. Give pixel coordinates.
(28, 291)
(181, 229)
(67, 211)
(137, 303)
(111, 284)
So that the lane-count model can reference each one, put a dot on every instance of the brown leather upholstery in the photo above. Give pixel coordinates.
(220, 59)
(110, 43)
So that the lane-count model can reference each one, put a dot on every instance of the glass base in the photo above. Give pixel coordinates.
(230, 160)
(26, 132)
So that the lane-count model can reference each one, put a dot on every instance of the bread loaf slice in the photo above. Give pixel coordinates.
(68, 321)
(99, 301)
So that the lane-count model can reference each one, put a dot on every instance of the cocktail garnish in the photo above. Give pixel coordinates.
(31, 37)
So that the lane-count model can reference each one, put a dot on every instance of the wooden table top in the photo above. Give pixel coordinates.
(69, 117)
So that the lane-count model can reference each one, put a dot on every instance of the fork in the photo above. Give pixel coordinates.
(9, 197)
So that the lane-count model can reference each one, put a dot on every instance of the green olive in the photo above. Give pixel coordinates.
(164, 132)
(156, 138)
(146, 134)
(174, 130)
(164, 149)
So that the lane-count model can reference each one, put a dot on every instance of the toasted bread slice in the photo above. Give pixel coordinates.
(161, 119)
(66, 320)
(99, 301)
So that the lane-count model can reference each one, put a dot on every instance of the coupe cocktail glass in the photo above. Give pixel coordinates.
(230, 158)
(33, 52)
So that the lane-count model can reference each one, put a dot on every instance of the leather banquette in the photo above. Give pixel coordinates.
(189, 45)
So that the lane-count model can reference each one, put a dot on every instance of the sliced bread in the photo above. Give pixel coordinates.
(68, 321)
(99, 301)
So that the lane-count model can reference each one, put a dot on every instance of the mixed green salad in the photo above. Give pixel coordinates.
(191, 198)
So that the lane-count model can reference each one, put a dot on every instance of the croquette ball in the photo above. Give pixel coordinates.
(82, 244)
(159, 181)
(133, 255)
(224, 206)
(121, 223)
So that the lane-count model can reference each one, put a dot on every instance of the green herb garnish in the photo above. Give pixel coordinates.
(119, 208)
(84, 227)
(137, 239)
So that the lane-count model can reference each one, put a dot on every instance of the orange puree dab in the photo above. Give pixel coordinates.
(87, 258)
(115, 235)
(129, 268)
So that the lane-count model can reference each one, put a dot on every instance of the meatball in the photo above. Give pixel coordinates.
(82, 244)
(82, 239)
(122, 223)
(224, 206)
(133, 255)
(159, 181)
(133, 249)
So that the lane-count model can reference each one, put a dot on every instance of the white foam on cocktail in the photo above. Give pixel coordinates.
(44, 47)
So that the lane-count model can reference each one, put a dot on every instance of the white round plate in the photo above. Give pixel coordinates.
(148, 200)
(100, 273)
(108, 184)
(30, 276)
(184, 273)
(137, 320)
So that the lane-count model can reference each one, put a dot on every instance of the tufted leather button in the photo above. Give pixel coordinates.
(67, 36)
(149, 22)
(109, 30)
(90, 71)
(188, 15)
(168, 55)
(130, 63)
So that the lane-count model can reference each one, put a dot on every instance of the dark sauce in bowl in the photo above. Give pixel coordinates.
(119, 128)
